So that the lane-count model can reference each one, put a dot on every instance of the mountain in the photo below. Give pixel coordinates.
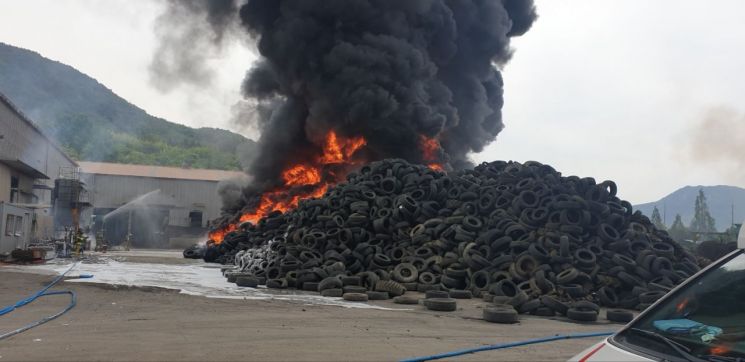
(719, 198)
(92, 123)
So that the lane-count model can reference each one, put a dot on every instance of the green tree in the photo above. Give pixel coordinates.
(678, 230)
(702, 221)
(657, 219)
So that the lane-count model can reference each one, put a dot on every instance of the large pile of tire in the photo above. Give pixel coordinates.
(521, 232)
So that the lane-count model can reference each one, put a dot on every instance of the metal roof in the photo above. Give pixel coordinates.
(120, 169)
(22, 116)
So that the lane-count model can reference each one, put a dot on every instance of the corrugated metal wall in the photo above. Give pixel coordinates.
(114, 191)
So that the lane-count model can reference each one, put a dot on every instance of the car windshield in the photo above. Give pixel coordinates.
(705, 318)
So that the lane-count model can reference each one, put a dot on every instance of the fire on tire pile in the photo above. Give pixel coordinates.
(520, 234)
(343, 93)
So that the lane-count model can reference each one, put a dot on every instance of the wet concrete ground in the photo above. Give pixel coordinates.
(153, 323)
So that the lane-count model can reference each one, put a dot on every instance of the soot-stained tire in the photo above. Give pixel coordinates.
(405, 299)
(393, 288)
(460, 294)
(582, 315)
(441, 304)
(332, 293)
(500, 315)
(247, 282)
(355, 297)
(377, 295)
(619, 315)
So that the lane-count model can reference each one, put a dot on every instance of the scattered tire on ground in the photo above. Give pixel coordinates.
(619, 315)
(500, 315)
(355, 297)
(441, 304)
(405, 299)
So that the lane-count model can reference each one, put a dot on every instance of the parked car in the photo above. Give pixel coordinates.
(703, 319)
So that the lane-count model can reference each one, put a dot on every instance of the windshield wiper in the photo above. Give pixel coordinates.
(680, 349)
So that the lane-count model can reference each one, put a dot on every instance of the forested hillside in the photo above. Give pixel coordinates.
(94, 124)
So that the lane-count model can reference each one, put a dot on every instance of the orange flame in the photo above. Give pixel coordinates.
(720, 350)
(336, 150)
(301, 175)
(430, 148)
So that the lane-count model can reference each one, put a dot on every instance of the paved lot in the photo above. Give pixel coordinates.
(154, 324)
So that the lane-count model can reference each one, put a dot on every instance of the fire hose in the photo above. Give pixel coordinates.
(506, 345)
(42, 293)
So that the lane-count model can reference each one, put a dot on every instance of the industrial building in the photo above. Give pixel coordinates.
(152, 206)
(31, 164)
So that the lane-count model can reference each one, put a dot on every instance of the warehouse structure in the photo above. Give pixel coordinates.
(152, 206)
(30, 166)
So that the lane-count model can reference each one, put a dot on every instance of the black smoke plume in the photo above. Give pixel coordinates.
(391, 71)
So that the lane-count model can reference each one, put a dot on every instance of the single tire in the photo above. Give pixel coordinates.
(529, 306)
(651, 296)
(354, 289)
(355, 297)
(543, 312)
(460, 294)
(441, 304)
(330, 283)
(423, 288)
(619, 315)
(247, 282)
(279, 283)
(310, 286)
(405, 299)
(500, 315)
(411, 287)
(436, 294)
(585, 305)
(405, 273)
(582, 315)
(500, 299)
(377, 295)
(555, 304)
(332, 293)
(519, 299)
(351, 280)
(393, 288)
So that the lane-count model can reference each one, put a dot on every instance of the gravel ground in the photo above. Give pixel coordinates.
(148, 324)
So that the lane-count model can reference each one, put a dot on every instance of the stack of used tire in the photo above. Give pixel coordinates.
(521, 233)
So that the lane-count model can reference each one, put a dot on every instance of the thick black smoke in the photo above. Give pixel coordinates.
(388, 70)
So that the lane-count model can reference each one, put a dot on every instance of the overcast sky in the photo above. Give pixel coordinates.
(624, 90)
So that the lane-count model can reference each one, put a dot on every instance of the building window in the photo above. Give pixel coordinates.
(19, 226)
(10, 222)
(195, 219)
(14, 189)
